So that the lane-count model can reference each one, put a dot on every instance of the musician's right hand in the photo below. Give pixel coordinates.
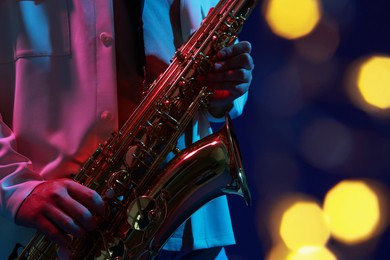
(60, 209)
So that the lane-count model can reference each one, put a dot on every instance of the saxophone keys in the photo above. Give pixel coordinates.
(176, 151)
(141, 212)
(118, 184)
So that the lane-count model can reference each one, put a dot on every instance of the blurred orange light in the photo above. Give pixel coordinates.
(368, 84)
(311, 252)
(374, 81)
(353, 211)
(304, 224)
(278, 252)
(292, 19)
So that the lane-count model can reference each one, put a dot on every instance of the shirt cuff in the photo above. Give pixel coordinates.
(14, 190)
(235, 111)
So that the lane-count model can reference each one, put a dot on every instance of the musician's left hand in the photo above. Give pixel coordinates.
(230, 77)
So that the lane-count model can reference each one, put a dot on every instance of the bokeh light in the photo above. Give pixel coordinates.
(278, 252)
(368, 82)
(279, 206)
(321, 44)
(312, 252)
(292, 19)
(304, 224)
(305, 133)
(374, 81)
(353, 210)
(326, 143)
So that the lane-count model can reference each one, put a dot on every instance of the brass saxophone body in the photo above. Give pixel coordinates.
(147, 201)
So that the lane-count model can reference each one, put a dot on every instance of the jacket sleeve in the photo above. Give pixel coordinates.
(192, 13)
(17, 178)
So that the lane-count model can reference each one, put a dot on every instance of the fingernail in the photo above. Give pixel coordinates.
(221, 53)
(218, 65)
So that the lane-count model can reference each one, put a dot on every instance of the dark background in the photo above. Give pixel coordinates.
(289, 93)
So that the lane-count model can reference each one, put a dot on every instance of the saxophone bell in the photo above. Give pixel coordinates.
(209, 168)
(240, 187)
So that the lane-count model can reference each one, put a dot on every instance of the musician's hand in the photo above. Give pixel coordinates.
(231, 76)
(60, 209)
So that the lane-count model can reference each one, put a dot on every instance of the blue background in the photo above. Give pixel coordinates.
(269, 125)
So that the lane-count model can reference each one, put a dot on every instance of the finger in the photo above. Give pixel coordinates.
(229, 86)
(53, 233)
(227, 93)
(235, 49)
(87, 197)
(241, 61)
(237, 76)
(221, 98)
(78, 212)
(64, 222)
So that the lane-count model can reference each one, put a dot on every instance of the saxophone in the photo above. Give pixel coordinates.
(147, 200)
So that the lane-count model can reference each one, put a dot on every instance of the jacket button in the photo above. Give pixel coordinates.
(106, 38)
(106, 116)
